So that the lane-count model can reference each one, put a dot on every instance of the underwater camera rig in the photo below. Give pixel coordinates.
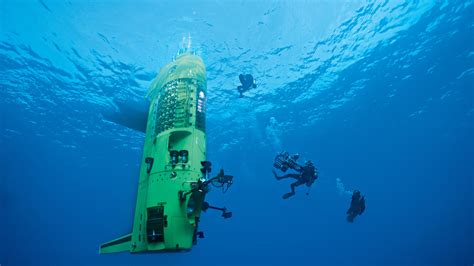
(284, 161)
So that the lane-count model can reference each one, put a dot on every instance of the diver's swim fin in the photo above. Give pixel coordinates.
(117, 245)
(133, 115)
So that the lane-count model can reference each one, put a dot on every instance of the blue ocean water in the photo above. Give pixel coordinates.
(379, 94)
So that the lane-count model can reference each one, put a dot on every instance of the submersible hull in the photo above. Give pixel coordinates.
(174, 149)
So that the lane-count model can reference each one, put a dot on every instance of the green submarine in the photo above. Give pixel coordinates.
(174, 173)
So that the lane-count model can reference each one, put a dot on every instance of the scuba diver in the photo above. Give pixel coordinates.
(357, 206)
(221, 181)
(305, 174)
(247, 82)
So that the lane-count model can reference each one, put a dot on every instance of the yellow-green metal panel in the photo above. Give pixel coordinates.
(176, 122)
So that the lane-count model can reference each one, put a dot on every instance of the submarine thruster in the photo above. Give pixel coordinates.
(174, 172)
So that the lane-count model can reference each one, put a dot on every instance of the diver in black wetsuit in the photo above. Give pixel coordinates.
(247, 82)
(357, 206)
(306, 174)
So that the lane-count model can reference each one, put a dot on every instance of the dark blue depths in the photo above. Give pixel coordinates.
(405, 140)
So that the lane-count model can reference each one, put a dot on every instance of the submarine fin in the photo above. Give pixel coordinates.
(120, 244)
(133, 115)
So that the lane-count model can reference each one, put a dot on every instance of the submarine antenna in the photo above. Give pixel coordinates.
(189, 41)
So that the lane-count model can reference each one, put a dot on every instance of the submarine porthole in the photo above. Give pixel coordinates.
(193, 205)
